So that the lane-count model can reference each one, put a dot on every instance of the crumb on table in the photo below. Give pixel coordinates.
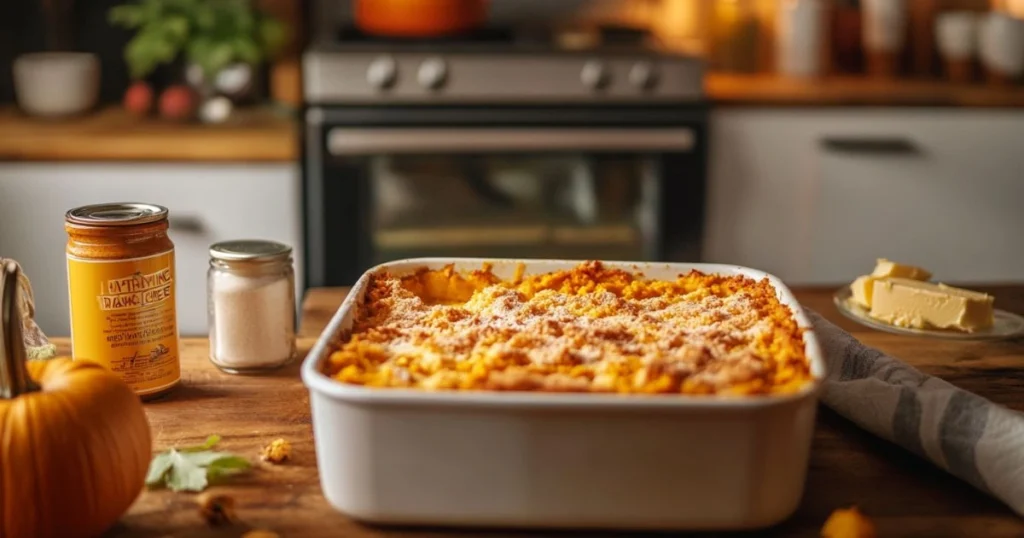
(278, 451)
(848, 523)
(261, 533)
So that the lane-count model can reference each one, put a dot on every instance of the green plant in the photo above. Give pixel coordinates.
(209, 33)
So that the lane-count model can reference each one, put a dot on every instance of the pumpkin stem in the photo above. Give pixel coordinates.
(14, 379)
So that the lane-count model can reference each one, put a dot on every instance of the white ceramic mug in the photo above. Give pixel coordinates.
(800, 37)
(1001, 44)
(956, 34)
(56, 83)
(885, 24)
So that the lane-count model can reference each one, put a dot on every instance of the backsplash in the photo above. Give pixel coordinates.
(22, 30)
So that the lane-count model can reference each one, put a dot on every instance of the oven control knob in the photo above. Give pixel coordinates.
(643, 76)
(382, 72)
(595, 75)
(433, 73)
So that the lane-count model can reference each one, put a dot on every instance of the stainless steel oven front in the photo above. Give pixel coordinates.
(390, 182)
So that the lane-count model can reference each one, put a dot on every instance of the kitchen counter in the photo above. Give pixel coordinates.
(904, 494)
(111, 134)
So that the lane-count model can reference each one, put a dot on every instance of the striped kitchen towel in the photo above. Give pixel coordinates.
(972, 438)
(37, 345)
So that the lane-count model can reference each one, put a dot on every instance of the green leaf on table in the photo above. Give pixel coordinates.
(185, 474)
(158, 467)
(209, 443)
(226, 466)
(193, 468)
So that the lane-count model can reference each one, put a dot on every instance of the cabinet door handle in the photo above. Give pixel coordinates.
(874, 145)
(187, 224)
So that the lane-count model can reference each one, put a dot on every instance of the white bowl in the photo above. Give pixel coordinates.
(402, 456)
(956, 34)
(1001, 44)
(56, 84)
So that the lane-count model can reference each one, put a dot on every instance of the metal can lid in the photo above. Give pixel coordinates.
(116, 214)
(250, 250)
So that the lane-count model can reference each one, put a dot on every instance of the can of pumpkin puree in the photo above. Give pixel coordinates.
(121, 284)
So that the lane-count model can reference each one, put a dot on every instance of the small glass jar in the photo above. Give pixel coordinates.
(251, 305)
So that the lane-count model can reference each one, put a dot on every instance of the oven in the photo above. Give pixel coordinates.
(588, 181)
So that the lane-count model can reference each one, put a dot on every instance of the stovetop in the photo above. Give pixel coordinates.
(499, 65)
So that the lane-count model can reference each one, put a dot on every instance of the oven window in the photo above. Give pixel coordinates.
(548, 205)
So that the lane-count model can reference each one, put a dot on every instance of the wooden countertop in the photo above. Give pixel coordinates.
(902, 493)
(772, 90)
(111, 134)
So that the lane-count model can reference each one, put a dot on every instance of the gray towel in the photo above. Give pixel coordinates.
(37, 345)
(972, 438)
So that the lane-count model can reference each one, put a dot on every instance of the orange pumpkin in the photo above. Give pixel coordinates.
(74, 440)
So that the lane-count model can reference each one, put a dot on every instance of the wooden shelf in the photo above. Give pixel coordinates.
(111, 134)
(770, 90)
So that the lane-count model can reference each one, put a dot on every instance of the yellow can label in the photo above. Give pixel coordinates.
(123, 316)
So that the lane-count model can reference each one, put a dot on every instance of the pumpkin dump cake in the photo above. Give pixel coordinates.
(588, 329)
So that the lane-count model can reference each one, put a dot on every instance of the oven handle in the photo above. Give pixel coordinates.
(348, 141)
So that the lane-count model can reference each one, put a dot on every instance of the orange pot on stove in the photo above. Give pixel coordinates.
(420, 18)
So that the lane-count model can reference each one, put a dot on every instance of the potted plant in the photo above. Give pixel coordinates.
(220, 43)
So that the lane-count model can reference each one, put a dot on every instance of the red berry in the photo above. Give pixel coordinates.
(138, 99)
(177, 103)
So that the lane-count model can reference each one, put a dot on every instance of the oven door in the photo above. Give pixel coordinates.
(517, 190)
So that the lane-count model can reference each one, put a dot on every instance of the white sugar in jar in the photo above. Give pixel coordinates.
(251, 305)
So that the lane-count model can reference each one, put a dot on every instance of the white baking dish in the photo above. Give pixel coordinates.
(404, 456)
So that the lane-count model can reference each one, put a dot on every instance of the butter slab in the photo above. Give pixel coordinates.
(912, 303)
(860, 290)
(889, 269)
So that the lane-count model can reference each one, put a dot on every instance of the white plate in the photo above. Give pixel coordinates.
(1005, 325)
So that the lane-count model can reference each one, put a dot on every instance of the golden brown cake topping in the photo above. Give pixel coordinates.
(588, 329)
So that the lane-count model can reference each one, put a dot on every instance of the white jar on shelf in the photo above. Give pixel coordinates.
(251, 293)
(800, 37)
(884, 34)
(1001, 45)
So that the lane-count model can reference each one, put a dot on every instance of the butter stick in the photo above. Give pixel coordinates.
(912, 303)
(861, 289)
(889, 269)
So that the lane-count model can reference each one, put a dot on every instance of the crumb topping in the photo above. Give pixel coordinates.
(588, 329)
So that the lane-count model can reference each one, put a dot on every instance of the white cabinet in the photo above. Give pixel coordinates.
(207, 203)
(815, 196)
(759, 191)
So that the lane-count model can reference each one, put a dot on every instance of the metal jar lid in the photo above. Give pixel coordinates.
(116, 214)
(255, 250)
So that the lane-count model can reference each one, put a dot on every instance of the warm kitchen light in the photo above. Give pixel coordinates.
(681, 24)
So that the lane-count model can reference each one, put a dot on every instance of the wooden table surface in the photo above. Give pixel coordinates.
(905, 495)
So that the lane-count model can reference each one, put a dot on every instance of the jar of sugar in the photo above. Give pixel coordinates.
(251, 301)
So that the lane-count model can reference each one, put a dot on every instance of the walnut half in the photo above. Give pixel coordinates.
(217, 509)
